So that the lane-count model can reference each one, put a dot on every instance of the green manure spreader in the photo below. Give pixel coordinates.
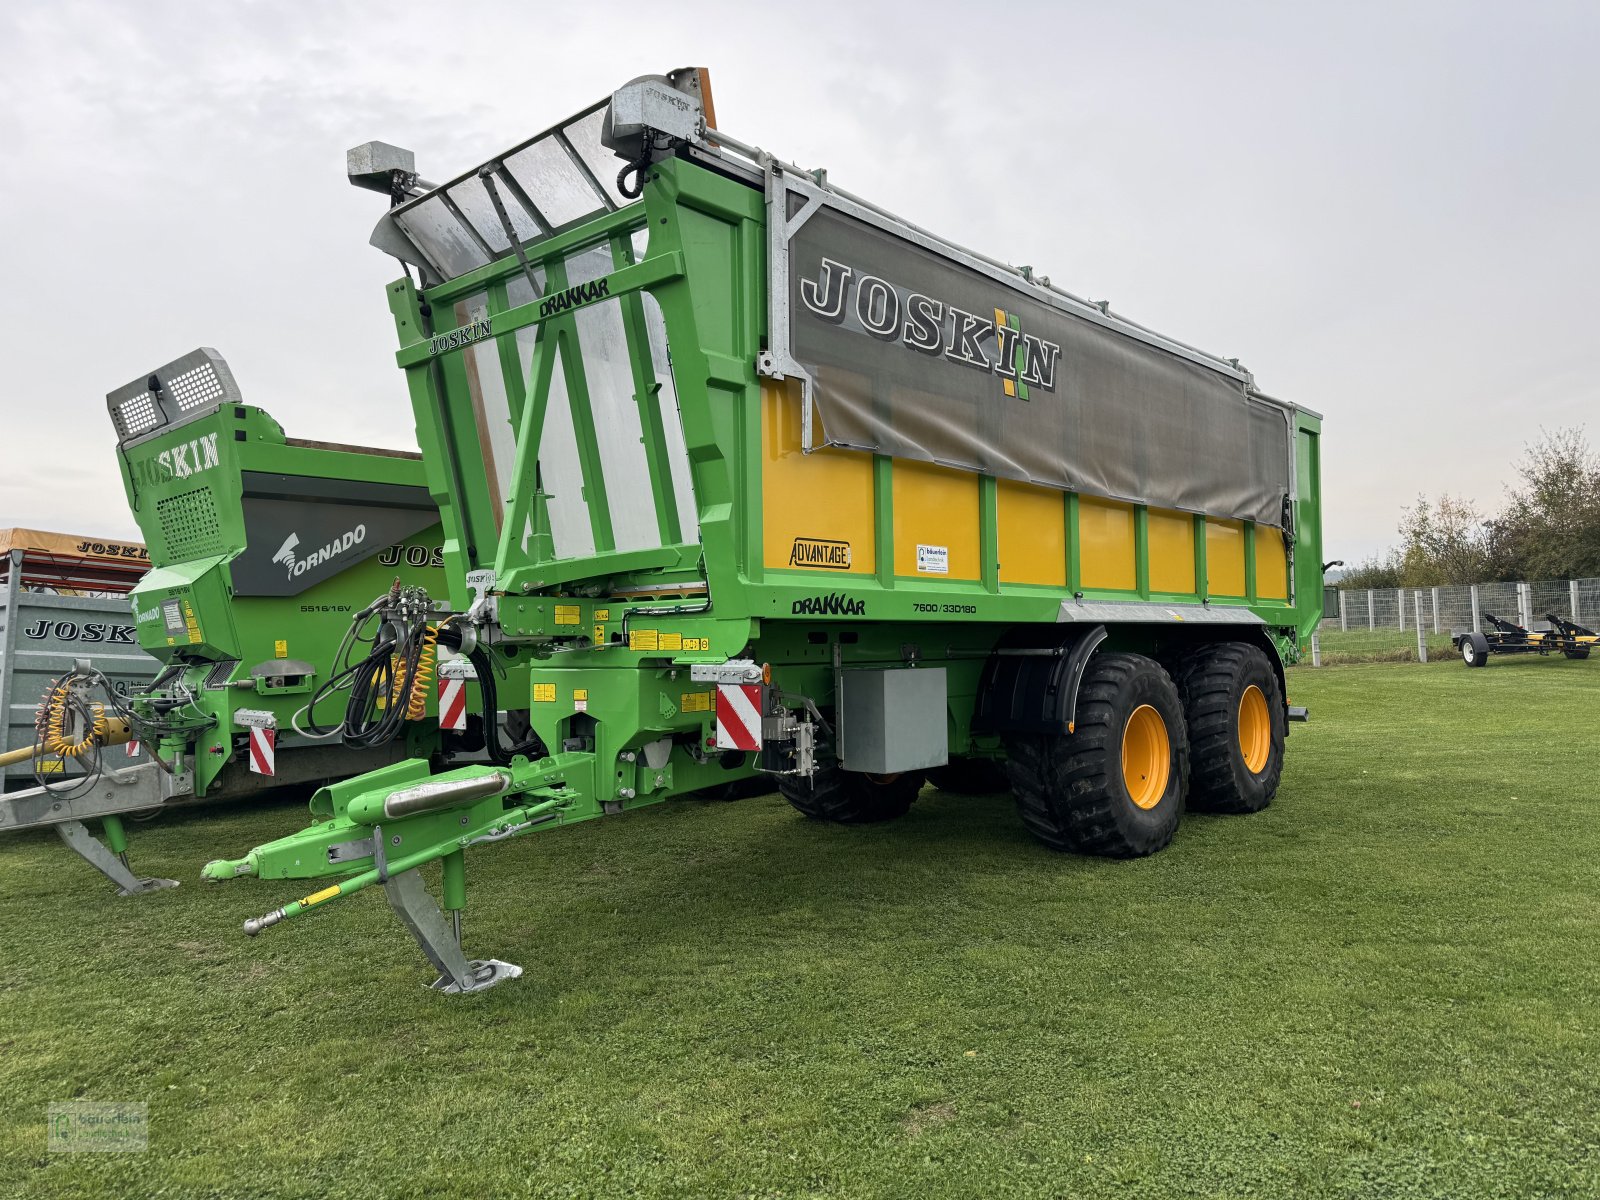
(765, 480)
(289, 649)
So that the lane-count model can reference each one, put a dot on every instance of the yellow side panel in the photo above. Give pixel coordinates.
(1171, 542)
(1224, 558)
(1272, 564)
(811, 503)
(935, 507)
(1105, 538)
(1033, 534)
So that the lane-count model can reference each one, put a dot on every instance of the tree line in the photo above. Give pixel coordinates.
(1548, 527)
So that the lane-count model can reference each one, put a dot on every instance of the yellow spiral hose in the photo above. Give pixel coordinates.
(417, 698)
(50, 723)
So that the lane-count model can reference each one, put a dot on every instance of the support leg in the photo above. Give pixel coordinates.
(454, 888)
(114, 866)
(457, 974)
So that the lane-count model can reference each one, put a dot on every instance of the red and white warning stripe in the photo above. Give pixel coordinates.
(452, 703)
(133, 747)
(263, 747)
(264, 751)
(738, 716)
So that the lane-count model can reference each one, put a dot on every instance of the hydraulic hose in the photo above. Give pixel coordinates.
(450, 636)
(499, 754)
(69, 726)
(389, 685)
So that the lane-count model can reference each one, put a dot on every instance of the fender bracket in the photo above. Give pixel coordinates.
(1034, 688)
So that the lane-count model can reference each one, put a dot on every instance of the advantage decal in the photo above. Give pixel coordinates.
(476, 331)
(844, 296)
(834, 604)
(820, 552)
(297, 566)
(582, 293)
(179, 462)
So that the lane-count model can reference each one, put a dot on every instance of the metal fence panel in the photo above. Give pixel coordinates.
(1381, 624)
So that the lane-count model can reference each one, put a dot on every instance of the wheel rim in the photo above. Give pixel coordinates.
(1146, 757)
(1255, 730)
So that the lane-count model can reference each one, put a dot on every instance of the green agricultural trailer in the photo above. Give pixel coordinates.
(768, 480)
(288, 651)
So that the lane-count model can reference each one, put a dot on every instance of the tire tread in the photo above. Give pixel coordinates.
(1061, 782)
(1206, 681)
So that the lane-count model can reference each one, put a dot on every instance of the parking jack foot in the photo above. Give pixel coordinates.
(457, 973)
(113, 866)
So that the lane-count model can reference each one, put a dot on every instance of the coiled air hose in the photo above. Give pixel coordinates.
(71, 726)
(417, 693)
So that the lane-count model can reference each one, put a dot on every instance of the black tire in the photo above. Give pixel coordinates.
(1071, 791)
(970, 777)
(850, 797)
(740, 789)
(1577, 654)
(1474, 649)
(1224, 775)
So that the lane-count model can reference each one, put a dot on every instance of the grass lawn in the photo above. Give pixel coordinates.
(1386, 985)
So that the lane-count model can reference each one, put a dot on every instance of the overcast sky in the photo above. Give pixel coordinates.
(1388, 212)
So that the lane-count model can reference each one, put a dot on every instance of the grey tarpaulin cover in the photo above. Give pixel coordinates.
(917, 356)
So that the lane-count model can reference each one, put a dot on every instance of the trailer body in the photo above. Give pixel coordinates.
(261, 550)
(62, 598)
(770, 480)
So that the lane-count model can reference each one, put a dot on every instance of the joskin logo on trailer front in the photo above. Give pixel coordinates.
(177, 462)
(474, 331)
(855, 299)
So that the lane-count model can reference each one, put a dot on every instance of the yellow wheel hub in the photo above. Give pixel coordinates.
(1255, 730)
(1146, 757)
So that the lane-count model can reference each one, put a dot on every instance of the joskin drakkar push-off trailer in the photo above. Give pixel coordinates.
(770, 480)
(287, 653)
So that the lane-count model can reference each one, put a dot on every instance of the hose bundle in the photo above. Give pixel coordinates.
(388, 685)
(500, 755)
(51, 719)
(80, 714)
